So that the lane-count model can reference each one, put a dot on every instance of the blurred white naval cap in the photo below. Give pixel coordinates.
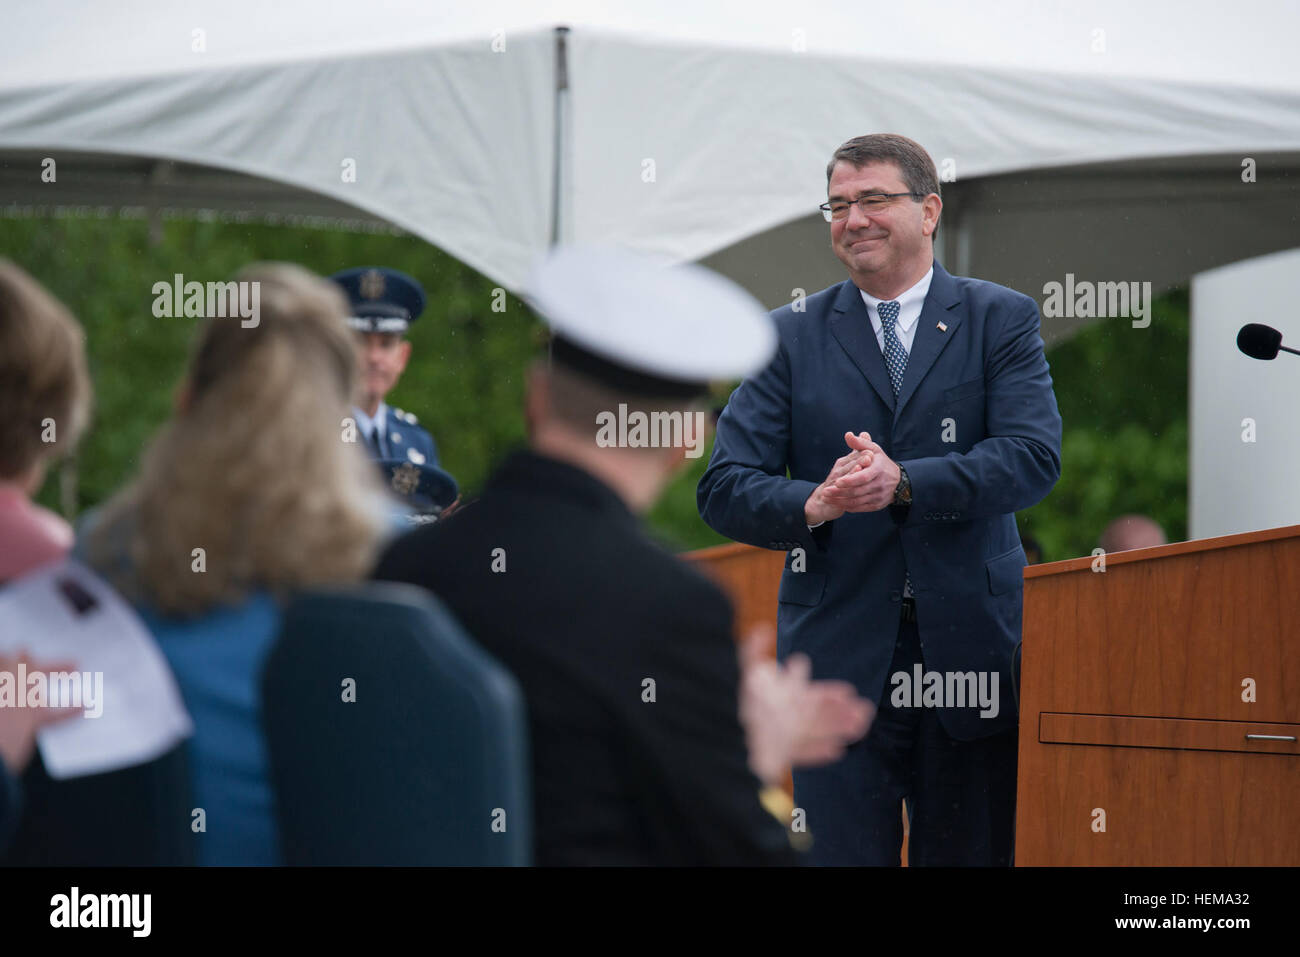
(643, 325)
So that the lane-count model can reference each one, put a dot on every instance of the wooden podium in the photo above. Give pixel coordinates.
(1139, 744)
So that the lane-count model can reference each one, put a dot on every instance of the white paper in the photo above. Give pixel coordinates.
(141, 713)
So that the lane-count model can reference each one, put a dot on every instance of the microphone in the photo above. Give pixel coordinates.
(1261, 342)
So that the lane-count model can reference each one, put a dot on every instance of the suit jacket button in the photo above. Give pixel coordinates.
(895, 596)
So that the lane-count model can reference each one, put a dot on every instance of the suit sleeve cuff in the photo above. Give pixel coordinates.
(928, 484)
(795, 531)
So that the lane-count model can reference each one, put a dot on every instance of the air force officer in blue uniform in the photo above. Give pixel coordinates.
(915, 415)
(384, 304)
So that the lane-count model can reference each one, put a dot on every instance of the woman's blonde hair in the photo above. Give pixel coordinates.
(44, 386)
(253, 469)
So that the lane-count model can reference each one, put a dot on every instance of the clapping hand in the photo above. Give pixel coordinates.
(789, 719)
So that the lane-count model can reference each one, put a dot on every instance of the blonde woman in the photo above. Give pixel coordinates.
(249, 493)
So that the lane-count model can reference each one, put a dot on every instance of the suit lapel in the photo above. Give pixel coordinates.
(940, 303)
(851, 327)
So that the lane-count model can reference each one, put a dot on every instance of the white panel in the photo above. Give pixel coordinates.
(1235, 485)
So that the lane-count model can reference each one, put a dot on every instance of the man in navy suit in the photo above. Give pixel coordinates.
(915, 415)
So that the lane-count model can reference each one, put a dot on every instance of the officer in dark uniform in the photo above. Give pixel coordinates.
(625, 654)
(384, 304)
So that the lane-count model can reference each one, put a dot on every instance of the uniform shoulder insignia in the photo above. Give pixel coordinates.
(407, 417)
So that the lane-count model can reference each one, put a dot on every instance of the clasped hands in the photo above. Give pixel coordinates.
(863, 480)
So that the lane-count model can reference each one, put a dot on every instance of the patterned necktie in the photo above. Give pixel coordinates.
(895, 354)
(896, 362)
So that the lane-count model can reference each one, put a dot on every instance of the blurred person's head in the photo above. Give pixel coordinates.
(569, 416)
(635, 344)
(1033, 550)
(44, 386)
(252, 468)
(882, 192)
(1131, 531)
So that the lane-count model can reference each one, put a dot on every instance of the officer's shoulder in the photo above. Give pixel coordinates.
(407, 417)
(694, 591)
(700, 610)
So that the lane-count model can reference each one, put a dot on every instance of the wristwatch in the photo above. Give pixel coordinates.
(903, 493)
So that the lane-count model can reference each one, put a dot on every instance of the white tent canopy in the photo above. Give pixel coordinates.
(690, 129)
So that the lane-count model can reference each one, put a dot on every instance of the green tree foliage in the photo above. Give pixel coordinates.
(1123, 397)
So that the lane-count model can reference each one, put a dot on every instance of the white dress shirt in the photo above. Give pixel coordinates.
(909, 311)
(376, 426)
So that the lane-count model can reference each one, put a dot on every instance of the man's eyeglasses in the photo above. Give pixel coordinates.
(870, 203)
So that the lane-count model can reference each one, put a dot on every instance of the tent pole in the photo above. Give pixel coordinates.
(559, 194)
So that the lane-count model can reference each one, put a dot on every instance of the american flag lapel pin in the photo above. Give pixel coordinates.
(943, 327)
